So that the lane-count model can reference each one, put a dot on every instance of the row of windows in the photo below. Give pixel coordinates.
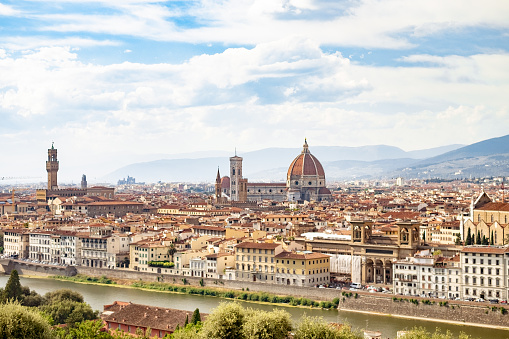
(481, 261)
(492, 218)
(482, 270)
(482, 280)
(260, 251)
(270, 191)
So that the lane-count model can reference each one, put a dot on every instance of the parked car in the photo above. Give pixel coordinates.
(469, 299)
(493, 301)
(479, 300)
(503, 301)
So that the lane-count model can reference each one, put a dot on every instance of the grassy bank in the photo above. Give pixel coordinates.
(244, 295)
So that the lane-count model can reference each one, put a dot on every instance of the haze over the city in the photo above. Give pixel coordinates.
(117, 82)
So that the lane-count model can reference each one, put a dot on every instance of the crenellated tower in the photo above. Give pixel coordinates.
(52, 168)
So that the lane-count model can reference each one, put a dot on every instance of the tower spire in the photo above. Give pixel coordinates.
(305, 148)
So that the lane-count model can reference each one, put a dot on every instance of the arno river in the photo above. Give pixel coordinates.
(97, 296)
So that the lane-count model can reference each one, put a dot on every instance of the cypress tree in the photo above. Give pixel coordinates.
(478, 239)
(13, 287)
(484, 240)
(468, 241)
(196, 317)
(492, 241)
(187, 320)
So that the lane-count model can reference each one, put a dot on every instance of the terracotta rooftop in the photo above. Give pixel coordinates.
(485, 249)
(146, 316)
(495, 206)
(301, 255)
(263, 246)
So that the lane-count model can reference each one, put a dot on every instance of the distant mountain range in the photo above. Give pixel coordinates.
(485, 158)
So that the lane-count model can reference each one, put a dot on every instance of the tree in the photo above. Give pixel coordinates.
(90, 329)
(421, 333)
(458, 239)
(424, 236)
(196, 318)
(187, 320)
(13, 289)
(189, 332)
(484, 240)
(69, 312)
(314, 327)
(225, 322)
(31, 298)
(266, 325)
(171, 251)
(63, 294)
(468, 241)
(492, 239)
(17, 321)
(478, 238)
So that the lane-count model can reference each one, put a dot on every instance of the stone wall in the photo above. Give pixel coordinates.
(458, 311)
(33, 269)
(311, 293)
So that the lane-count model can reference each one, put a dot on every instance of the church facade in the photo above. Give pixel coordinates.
(305, 181)
(488, 219)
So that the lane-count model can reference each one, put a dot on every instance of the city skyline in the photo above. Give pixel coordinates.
(111, 82)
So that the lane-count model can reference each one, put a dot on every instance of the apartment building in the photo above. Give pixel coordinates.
(478, 272)
(16, 243)
(218, 263)
(485, 272)
(70, 248)
(94, 250)
(256, 261)
(40, 245)
(302, 268)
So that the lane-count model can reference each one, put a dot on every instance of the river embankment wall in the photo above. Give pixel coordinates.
(443, 310)
(359, 301)
(33, 269)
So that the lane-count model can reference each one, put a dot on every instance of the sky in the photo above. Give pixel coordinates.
(123, 81)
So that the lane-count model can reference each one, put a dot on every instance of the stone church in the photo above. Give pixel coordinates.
(305, 180)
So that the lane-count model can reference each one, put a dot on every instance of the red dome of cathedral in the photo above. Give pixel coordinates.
(305, 164)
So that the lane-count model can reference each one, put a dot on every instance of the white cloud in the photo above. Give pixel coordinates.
(20, 43)
(369, 23)
(6, 10)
